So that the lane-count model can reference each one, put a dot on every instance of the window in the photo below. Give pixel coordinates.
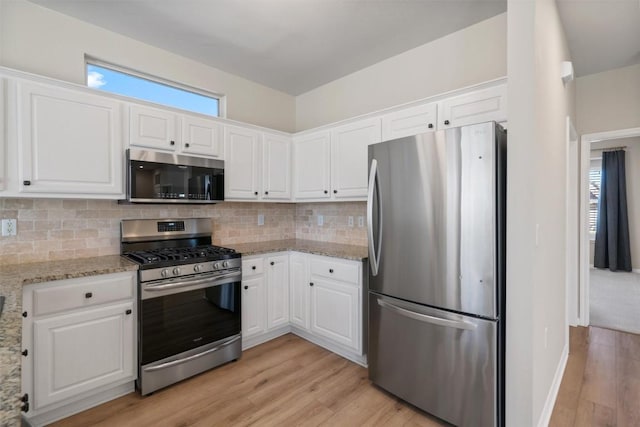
(594, 194)
(114, 79)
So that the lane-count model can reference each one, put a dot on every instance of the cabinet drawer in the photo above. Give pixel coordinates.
(82, 292)
(252, 267)
(337, 270)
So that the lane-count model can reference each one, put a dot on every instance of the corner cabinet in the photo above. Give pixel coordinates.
(312, 166)
(241, 166)
(80, 343)
(276, 167)
(69, 142)
(474, 107)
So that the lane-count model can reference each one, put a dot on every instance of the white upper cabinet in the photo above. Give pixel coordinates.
(312, 179)
(202, 137)
(69, 142)
(410, 121)
(349, 157)
(276, 167)
(168, 131)
(475, 107)
(152, 128)
(242, 147)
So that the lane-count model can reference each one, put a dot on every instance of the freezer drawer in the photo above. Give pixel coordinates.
(441, 362)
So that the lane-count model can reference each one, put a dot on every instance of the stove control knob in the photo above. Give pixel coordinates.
(216, 266)
(164, 273)
(197, 268)
(225, 264)
(176, 271)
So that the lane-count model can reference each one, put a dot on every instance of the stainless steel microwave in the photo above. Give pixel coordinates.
(155, 177)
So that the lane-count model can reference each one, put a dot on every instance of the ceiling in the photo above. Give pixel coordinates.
(297, 45)
(602, 34)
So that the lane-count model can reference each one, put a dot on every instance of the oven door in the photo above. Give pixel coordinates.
(180, 315)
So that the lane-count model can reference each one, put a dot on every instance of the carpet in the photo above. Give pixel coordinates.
(614, 300)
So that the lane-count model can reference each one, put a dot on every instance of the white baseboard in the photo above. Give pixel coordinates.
(545, 417)
(247, 343)
(45, 417)
(347, 354)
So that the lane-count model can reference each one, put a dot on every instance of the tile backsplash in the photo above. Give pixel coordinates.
(50, 229)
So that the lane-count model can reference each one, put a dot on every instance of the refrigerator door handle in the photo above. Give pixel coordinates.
(459, 324)
(374, 259)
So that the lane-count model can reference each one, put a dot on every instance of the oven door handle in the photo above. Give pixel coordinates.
(213, 280)
(195, 356)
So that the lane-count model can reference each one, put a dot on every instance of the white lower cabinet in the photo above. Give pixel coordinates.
(79, 344)
(316, 297)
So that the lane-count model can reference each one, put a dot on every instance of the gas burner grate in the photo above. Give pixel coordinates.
(154, 256)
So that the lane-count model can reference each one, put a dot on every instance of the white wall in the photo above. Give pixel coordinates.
(538, 106)
(632, 166)
(41, 41)
(609, 100)
(469, 56)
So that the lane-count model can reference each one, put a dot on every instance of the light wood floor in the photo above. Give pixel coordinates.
(284, 382)
(601, 383)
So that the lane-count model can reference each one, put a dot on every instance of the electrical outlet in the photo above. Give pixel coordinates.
(350, 221)
(9, 227)
(360, 221)
(320, 220)
(260, 219)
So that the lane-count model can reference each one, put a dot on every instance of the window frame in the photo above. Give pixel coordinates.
(221, 98)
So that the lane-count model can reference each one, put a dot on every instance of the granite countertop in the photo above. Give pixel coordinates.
(12, 279)
(337, 250)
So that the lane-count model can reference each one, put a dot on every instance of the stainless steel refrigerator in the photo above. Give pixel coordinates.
(436, 230)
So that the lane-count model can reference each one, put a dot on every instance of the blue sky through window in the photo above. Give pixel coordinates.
(136, 87)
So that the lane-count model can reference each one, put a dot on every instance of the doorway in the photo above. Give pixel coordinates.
(608, 299)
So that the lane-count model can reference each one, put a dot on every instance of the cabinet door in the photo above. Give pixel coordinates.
(202, 137)
(349, 157)
(76, 353)
(299, 282)
(253, 306)
(311, 166)
(475, 107)
(152, 128)
(3, 148)
(409, 122)
(277, 291)
(276, 167)
(69, 142)
(335, 311)
(241, 163)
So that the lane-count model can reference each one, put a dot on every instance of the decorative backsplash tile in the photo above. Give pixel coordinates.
(50, 229)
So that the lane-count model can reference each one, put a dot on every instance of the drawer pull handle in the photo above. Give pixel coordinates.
(128, 311)
(88, 295)
(26, 182)
(331, 270)
(253, 267)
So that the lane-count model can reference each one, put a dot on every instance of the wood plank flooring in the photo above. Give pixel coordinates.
(601, 383)
(284, 382)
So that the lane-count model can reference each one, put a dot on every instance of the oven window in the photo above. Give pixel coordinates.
(183, 321)
(165, 181)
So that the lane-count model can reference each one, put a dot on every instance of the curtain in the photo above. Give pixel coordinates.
(612, 249)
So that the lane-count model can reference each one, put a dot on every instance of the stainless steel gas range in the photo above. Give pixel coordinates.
(189, 299)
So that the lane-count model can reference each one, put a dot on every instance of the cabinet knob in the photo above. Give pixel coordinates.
(311, 284)
(256, 193)
(186, 145)
(331, 270)
(266, 192)
(26, 182)
(335, 191)
(25, 352)
(253, 267)
(128, 312)
(172, 143)
(88, 295)
(246, 287)
(325, 192)
(430, 126)
(446, 122)
(272, 263)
